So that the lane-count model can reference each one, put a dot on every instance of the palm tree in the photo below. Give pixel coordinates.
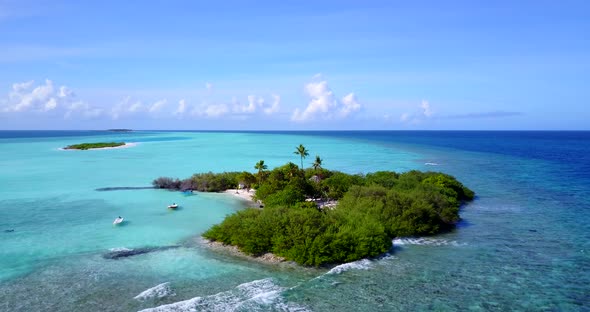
(317, 164)
(261, 167)
(302, 152)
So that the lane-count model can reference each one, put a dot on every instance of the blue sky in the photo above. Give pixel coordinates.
(295, 65)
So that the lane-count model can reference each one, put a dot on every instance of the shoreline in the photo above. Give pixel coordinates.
(243, 194)
(126, 145)
(267, 258)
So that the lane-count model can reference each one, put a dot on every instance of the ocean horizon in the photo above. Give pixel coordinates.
(522, 244)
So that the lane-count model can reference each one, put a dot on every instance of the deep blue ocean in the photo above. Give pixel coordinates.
(523, 243)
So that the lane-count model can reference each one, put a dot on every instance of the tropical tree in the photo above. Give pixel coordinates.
(302, 152)
(260, 166)
(317, 164)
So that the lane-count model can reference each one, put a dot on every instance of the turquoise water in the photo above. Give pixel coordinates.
(524, 243)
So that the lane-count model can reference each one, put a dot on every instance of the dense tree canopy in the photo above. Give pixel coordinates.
(372, 209)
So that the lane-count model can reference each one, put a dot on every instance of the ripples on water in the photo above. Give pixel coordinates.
(523, 244)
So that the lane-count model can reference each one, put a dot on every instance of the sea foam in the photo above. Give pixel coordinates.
(424, 241)
(118, 249)
(158, 291)
(362, 264)
(245, 297)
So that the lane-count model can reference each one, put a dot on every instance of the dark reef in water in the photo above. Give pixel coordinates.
(124, 188)
(118, 254)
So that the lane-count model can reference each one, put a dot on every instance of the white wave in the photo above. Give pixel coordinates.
(117, 249)
(425, 241)
(430, 164)
(245, 297)
(158, 291)
(362, 264)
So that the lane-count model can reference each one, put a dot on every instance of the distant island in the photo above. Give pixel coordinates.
(316, 216)
(87, 146)
(120, 130)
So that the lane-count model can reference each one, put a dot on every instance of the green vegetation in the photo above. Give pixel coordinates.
(298, 224)
(302, 152)
(372, 210)
(86, 146)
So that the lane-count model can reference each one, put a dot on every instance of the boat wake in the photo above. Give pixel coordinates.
(430, 164)
(250, 296)
(425, 242)
(158, 291)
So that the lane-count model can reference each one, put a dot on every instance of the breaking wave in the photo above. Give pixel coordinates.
(250, 296)
(362, 264)
(425, 241)
(158, 291)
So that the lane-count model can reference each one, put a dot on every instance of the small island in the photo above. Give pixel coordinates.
(87, 146)
(317, 217)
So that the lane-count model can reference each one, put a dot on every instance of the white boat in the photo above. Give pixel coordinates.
(119, 220)
(173, 206)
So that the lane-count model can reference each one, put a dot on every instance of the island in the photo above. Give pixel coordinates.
(87, 146)
(317, 216)
(119, 130)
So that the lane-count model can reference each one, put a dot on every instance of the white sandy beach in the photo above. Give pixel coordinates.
(243, 194)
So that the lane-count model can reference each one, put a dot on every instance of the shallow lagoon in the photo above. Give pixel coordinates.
(523, 243)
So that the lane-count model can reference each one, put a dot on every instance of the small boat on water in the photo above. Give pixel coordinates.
(173, 206)
(119, 220)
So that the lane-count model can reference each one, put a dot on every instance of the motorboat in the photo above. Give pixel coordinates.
(119, 220)
(173, 206)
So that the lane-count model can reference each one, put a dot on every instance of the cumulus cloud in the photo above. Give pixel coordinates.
(255, 104)
(181, 108)
(157, 106)
(125, 107)
(275, 106)
(426, 112)
(82, 109)
(45, 97)
(23, 97)
(216, 110)
(349, 105)
(323, 103)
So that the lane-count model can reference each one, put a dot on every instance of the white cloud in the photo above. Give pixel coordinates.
(349, 104)
(82, 109)
(426, 110)
(418, 117)
(65, 92)
(157, 106)
(37, 99)
(135, 107)
(208, 86)
(216, 110)
(323, 103)
(127, 106)
(253, 101)
(51, 104)
(275, 105)
(26, 97)
(181, 107)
